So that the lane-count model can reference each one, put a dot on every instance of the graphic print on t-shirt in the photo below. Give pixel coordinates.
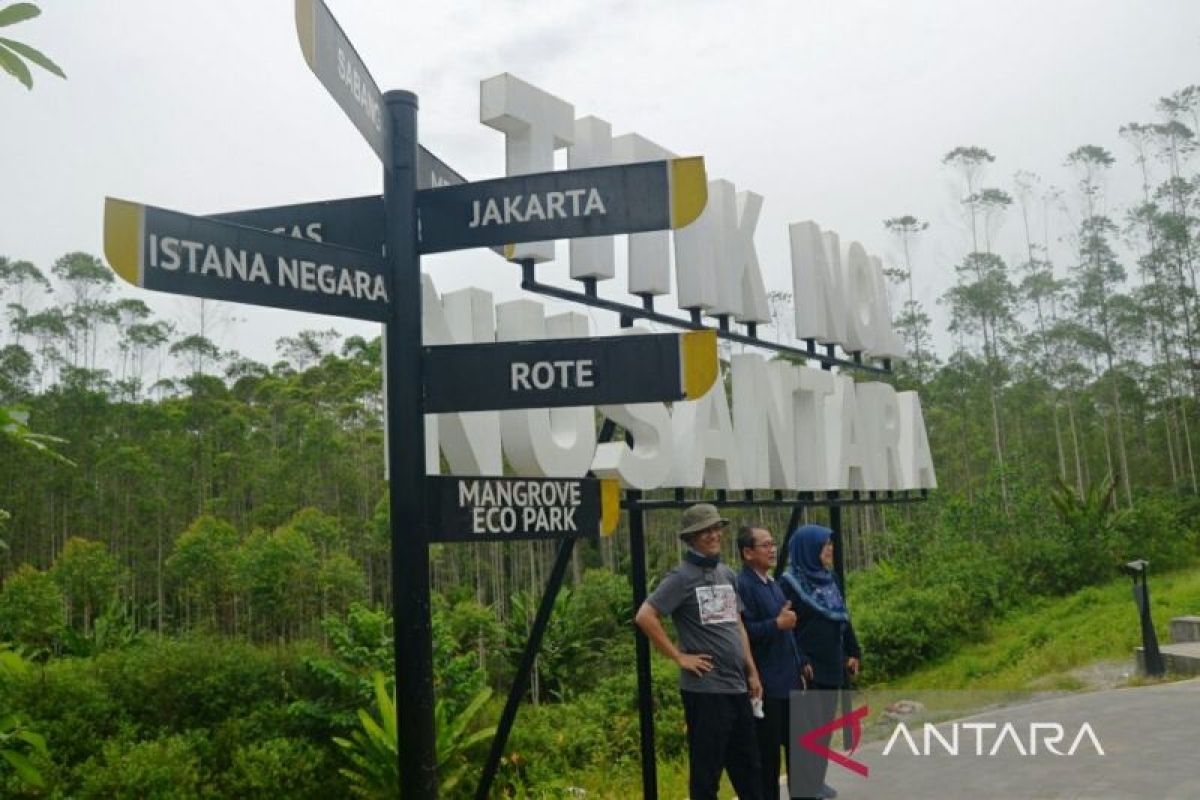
(718, 604)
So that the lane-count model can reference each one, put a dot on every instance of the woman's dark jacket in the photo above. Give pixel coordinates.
(824, 643)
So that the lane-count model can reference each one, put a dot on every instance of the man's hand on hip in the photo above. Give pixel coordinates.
(696, 663)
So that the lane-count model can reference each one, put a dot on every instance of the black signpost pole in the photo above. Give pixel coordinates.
(406, 457)
(637, 559)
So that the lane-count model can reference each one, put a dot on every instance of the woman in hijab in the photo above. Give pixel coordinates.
(823, 632)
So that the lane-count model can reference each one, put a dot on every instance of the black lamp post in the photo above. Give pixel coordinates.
(1136, 570)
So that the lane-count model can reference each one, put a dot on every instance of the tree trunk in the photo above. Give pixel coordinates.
(1080, 474)
(1058, 443)
(1187, 441)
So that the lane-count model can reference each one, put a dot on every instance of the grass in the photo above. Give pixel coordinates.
(1038, 647)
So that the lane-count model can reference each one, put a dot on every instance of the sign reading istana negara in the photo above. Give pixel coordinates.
(172, 252)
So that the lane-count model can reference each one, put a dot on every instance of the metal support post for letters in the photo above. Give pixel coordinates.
(784, 548)
(406, 454)
(835, 525)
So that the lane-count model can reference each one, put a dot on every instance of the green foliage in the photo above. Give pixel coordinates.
(89, 577)
(14, 426)
(278, 767)
(277, 570)
(373, 750)
(17, 739)
(576, 646)
(1091, 520)
(1162, 528)
(31, 609)
(13, 54)
(157, 769)
(553, 742)
(203, 563)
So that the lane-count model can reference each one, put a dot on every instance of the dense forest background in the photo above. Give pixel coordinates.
(194, 581)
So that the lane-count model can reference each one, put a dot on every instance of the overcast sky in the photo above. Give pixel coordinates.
(835, 112)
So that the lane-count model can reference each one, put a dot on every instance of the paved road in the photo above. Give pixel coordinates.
(1150, 737)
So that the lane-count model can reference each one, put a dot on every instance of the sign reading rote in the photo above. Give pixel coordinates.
(553, 373)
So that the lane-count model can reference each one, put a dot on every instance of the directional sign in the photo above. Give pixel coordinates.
(563, 205)
(433, 173)
(550, 373)
(336, 64)
(172, 252)
(338, 67)
(481, 509)
(355, 222)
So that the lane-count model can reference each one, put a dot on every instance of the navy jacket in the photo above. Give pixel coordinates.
(824, 643)
(774, 651)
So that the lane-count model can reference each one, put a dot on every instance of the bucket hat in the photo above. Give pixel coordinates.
(699, 517)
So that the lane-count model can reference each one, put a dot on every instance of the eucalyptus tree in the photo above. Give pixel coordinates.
(970, 162)
(912, 321)
(125, 312)
(1098, 276)
(18, 280)
(88, 280)
(1165, 297)
(307, 347)
(1042, 290)
(202, 568)
(982, 299)
(1174, 144)
(89, 577)
(48, 329)
(16, 373)
(195, 352)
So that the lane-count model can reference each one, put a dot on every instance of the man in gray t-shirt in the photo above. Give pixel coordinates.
(717, 676)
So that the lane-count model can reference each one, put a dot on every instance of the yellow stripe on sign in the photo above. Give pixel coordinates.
(123, 223)
(306, 12)
(697, 362)
(510, 250)
(610, 505)
(689, 190)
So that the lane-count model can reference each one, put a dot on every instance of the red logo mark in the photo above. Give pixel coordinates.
(854, 720)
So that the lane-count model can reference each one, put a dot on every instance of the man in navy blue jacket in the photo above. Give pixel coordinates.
(769, 620)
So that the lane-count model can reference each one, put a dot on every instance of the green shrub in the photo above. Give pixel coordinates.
(1158, 528)
(31, 609)
(70, 706)
(178, 685)
(279, 767)
(168, 768)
